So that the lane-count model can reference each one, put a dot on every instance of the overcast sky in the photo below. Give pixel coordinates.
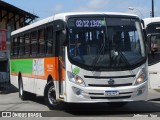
(46, 8)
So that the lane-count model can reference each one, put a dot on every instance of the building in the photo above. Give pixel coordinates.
(12, 18)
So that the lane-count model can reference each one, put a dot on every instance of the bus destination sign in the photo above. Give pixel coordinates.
(90, 23)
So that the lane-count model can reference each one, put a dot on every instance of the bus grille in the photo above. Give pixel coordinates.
(114, 85)
(122, 93)
(119, 97)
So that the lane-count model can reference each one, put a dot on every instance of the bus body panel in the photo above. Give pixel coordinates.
(35, 68)
(29, 84)
(40, 86)
(154, 79)
(14, 80)
(32, 85)
(34, 73)
(152, 27)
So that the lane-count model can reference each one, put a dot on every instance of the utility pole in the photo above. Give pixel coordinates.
(152, 8)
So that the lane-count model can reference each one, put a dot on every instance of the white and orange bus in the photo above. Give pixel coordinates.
(152, 27)
(81, 58)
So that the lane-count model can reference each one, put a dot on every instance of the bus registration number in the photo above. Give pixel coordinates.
(111, 93)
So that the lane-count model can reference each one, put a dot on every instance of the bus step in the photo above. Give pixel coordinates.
(61, 97)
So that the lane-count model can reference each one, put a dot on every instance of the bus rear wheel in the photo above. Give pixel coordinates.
(50, 97)
(22, 94)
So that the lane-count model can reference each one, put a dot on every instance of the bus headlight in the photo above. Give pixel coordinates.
(141, 78)
(75, 79)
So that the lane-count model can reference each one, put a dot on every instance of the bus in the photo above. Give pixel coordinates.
(152, 27)
(4, 58)
(81, 57)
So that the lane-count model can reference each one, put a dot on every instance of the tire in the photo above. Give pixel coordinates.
(117, 104)
(50, 97)
(22, 94)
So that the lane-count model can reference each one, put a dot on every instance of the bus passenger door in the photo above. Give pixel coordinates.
(59, 31)
(154, 61)
(61, 63)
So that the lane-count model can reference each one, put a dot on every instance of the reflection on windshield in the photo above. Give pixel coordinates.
(109, 43)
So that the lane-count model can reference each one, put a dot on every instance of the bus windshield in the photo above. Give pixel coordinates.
(153, 28)
(105, 43)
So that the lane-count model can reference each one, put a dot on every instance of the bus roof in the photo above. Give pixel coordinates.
(62, 16)
(151, 20)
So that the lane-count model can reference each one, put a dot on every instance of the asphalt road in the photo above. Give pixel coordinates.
(9, 101)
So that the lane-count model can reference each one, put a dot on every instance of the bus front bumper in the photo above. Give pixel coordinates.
(79, 94)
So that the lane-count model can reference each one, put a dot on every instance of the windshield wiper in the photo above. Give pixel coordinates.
(95, 61)
(123, 57)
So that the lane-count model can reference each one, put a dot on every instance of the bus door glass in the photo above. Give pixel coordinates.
(61, 59)
(59, 33)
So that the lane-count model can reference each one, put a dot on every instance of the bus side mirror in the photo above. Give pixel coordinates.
(58, 25)
(146, 41)
(142, 23)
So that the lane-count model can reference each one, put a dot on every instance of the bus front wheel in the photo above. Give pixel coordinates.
(50, 96)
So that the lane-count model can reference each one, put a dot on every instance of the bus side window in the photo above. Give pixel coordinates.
(15, 48)
(49, 40)
(21, 45)
(12, 48)
(27, 44)
(41, 44)
(34, 46)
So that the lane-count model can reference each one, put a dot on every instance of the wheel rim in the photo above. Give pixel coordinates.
(52, 96)
(21, 88)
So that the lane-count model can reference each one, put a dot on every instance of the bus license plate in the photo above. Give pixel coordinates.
(111, 93)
